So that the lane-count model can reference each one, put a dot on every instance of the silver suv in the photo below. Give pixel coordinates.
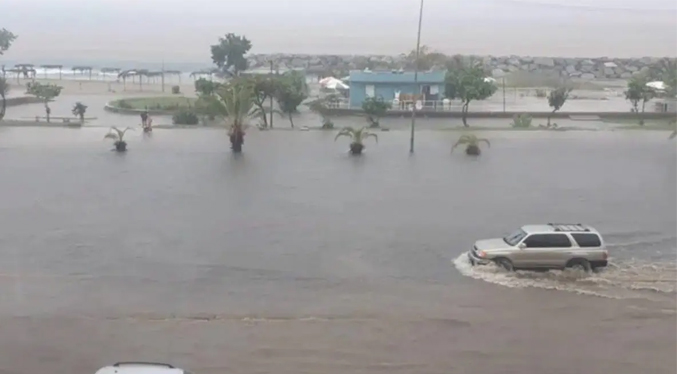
(544, 247)
(140, 367)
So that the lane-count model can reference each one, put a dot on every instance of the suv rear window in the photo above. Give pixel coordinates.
(547, 241)
(587, 240)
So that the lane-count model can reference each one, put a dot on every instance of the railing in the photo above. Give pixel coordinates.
(424, 106)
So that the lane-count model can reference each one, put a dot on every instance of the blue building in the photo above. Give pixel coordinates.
(387, 84)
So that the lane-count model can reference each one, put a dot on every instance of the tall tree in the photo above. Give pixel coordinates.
(206, 87)
(292, 90)
(556, 99)
(265, 87)
(229, 53)
(6, 40)
(46, 92)
(665, 70)
(639, 92)
(467, 83)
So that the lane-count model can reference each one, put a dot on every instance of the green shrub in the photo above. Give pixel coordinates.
(521, 121)
(176, 90)
(185, 117)
(123, 104)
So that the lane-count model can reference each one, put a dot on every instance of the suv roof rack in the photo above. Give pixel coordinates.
(142, 363)
(569, 227)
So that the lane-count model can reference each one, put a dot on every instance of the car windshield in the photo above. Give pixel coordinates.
(515, 237)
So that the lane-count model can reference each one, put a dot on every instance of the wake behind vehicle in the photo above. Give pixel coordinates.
(134, 367)
(544, 247)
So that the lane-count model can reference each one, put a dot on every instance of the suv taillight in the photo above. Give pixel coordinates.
(605, 255)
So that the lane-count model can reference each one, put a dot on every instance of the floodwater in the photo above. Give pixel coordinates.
(297, 258)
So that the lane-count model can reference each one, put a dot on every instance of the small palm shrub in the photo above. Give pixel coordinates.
(185, 117)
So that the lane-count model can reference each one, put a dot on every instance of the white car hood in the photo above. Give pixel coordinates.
(491, 244)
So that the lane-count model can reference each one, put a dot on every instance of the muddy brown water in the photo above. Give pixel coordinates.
(297, 258)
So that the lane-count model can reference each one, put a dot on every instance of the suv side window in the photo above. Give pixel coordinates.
(548, 241)
(587, 240)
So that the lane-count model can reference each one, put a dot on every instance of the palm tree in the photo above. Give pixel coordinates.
(118, 135)
(236, 102)
(79, 110)
(472, 144)
(357, 136)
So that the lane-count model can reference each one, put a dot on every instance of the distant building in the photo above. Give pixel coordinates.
(666, 105)
(387, 84)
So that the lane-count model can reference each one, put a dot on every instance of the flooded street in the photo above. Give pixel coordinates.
(296, 258)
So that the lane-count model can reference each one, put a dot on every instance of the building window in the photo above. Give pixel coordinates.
(371, 90)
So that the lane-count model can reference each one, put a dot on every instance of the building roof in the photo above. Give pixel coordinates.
(360, 76)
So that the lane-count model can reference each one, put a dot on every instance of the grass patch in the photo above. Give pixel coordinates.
(162, 103)
(649, 124)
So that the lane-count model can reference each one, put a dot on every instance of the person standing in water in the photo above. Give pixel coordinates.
(144, 118)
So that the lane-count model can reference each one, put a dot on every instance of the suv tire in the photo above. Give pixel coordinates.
(504, 264)
(580, 264)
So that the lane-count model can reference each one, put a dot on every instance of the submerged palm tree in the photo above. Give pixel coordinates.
(236, 102)
(79, 110)
(357, 136)
(118, 135)
(472, 144)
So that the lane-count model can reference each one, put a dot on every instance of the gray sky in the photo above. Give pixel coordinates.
(180, 30)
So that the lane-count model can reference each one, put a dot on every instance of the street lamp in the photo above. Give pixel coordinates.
(417, 89)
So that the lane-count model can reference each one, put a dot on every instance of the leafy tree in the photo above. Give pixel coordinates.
(467, 83)
(6, 40)
(472, 143)
(375, 108)
(79, 110)
(427, 59)
(236, 101)
(665, 70)
(292, 90)
(321, 107)
(265, 88)
(229, 53)
(638, 92)
(45, 92)
(206, 87)
(357, 136)
(556, 99)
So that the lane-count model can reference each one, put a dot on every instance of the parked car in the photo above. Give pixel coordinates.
(141, 368)
(544, 247)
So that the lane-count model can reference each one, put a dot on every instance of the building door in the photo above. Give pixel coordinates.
(425, 90)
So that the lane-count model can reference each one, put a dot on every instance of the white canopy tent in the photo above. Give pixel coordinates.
(333, 84)
(657, 85)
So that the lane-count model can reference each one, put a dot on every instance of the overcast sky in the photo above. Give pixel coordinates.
(181, 30)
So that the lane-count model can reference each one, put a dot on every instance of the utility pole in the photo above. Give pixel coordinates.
(163, 75)
(503, 94)
(271, 96)
(416, 85)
